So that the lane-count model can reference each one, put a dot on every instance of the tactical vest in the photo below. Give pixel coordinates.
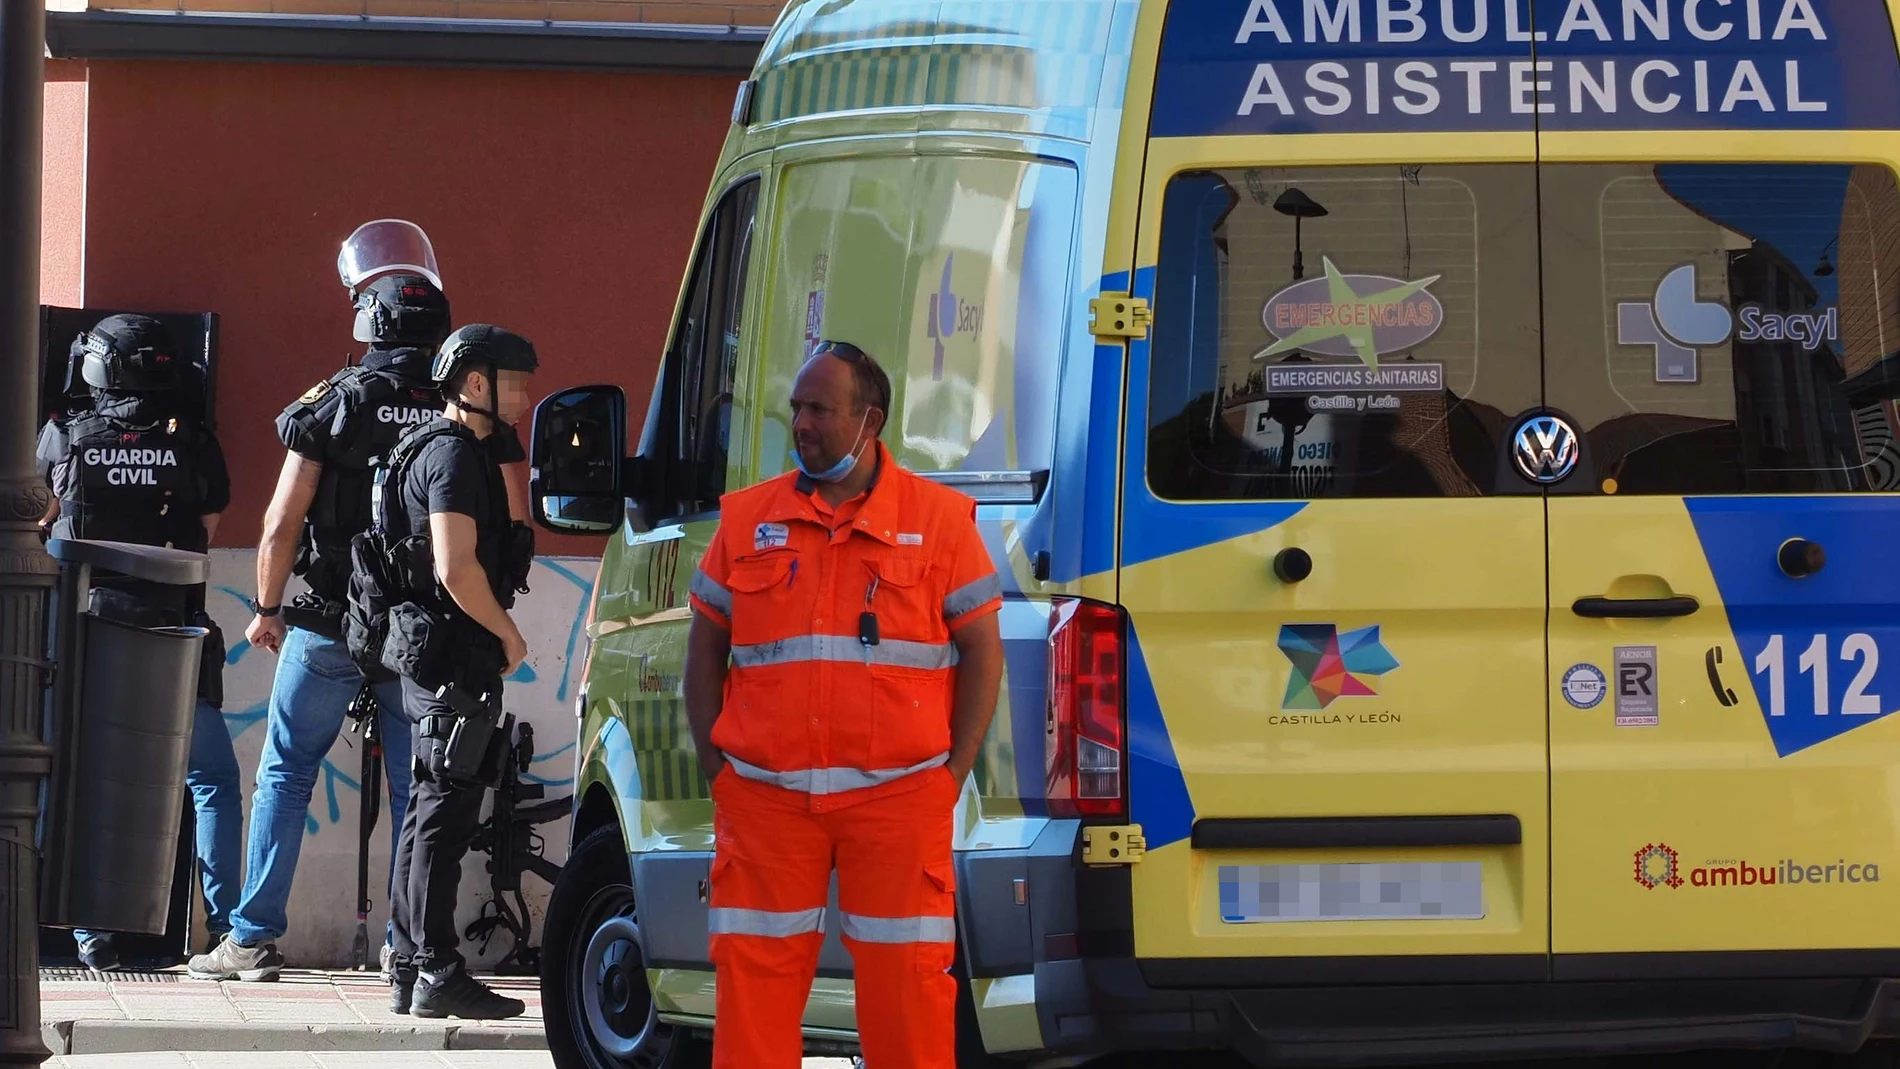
(131, 482)
(399, 618)
(372, 411)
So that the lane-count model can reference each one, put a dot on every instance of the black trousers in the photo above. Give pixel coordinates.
(435, 835)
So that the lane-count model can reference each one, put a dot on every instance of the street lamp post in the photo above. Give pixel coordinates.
(27, 574)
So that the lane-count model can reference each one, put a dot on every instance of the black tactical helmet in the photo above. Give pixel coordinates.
(483, 346)
(129, 354)
(401, 310)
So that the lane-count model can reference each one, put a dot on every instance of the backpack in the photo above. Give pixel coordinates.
(392, 580)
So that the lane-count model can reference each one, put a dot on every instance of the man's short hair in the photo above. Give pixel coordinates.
(873, 385)
(453, 388)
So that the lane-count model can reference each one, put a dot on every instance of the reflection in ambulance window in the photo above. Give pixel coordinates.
(1342, 331)
(1745, 329)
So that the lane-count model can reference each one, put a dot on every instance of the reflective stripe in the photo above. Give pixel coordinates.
(894, 652)
(972, 596)
(727, 921)
(705, 589)
(831, 780)
(897, 929)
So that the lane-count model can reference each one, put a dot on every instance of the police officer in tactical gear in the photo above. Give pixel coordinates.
(321, 501)
(133, 468)
(444, 511)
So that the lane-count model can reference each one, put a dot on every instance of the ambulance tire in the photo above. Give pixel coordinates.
(595, 1023)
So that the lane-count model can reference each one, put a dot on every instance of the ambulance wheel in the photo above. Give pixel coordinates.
(599, 1012)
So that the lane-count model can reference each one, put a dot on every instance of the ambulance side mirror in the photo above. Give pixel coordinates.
(578, 483)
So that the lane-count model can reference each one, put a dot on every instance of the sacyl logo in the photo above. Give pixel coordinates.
(950, 315)
(1545, 449)
(1807, 331)
(1674, 325)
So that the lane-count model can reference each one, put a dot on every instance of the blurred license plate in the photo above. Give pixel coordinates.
(1258, 894)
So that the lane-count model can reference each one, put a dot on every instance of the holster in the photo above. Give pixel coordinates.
(464, 747)
(315, 614)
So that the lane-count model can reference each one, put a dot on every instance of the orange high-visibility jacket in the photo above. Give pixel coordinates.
(810, 706)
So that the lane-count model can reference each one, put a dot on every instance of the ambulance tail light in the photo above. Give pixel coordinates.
(1086, 736)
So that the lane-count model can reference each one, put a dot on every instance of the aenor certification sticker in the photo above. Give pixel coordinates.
(1585, 685)
(1637, 705)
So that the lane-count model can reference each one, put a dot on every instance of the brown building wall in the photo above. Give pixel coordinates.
(63, 183)
(1869, 265)
(561, 205)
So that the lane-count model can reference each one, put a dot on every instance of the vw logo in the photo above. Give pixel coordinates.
(1545, 449)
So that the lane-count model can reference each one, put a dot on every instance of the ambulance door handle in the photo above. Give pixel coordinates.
(1634, 608)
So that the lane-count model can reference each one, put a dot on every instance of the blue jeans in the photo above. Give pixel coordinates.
(212, 775)
(309, 697)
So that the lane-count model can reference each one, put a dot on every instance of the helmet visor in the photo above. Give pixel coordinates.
(383, 246)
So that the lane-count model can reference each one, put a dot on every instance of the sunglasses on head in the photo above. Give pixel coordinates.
(843, 350)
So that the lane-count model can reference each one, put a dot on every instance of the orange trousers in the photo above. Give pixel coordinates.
(774, 854)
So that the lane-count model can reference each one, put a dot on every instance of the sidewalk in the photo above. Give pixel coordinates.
(492, 1059)
(85, 1013)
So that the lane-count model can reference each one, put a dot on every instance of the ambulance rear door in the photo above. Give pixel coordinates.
(1721, 290)
(1335, 596)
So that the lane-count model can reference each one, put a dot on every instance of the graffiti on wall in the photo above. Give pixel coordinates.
(322, 914)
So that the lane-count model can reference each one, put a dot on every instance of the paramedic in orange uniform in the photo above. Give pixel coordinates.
(841, 672)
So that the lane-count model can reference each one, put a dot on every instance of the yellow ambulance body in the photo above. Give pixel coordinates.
(1441, 457)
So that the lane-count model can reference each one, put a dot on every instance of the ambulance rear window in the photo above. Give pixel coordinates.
(1728, 328)
(1375, 332)
(1343, 331)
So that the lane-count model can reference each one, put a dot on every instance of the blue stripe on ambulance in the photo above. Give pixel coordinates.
(1777, 620)
(1097, 515)
(1153, 528)
(1158, 795)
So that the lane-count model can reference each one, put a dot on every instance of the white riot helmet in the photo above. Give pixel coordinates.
(385, 246)
(389, 267)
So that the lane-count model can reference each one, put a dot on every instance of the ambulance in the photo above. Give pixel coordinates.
(1441, 457)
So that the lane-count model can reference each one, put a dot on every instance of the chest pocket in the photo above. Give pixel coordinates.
(910, 692)
(764, 592)
(908, 603)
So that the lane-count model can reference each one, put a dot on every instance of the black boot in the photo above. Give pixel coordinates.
(458, 994)
(402, 988)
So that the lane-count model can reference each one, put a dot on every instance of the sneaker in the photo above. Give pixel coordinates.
(231, 960)
(402, 990)
(99, 954)
(460, 995)
(385, 965)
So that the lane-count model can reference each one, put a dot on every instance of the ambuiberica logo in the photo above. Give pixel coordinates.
(1658, 865)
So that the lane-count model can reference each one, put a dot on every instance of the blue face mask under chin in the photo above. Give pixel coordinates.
(845, 465)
